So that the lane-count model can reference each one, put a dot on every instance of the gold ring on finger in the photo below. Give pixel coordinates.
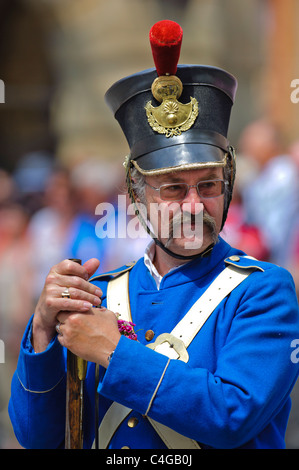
(66, 294)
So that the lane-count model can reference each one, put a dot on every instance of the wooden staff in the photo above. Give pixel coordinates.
(76, 372)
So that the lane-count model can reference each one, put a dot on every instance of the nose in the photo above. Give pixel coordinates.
(192, 201)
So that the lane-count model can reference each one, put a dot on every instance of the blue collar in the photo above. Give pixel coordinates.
(190, 271)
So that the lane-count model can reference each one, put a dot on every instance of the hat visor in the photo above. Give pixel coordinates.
(180, 157)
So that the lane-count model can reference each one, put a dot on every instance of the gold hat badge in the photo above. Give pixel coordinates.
(172, 117)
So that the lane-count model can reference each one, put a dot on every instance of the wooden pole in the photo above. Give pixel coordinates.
(76, 372)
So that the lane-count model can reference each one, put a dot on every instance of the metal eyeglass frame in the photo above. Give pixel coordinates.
(188, 186)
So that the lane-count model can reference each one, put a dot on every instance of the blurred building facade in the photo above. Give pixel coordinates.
(59, 57)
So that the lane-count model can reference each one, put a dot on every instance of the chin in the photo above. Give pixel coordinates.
(189, 246)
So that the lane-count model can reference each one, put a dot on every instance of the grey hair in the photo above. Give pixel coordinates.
(138, 184)
(228, 176)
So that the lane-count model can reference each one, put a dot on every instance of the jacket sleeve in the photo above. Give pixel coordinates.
(37, 402)
(252, 380)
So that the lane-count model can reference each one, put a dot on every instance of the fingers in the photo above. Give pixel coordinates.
(70, 305)
(69, 267)
(91, 266)
(76, 320)
(90, 294)
(92, 336)
(82, 294)
(77, 288)
(73, 276)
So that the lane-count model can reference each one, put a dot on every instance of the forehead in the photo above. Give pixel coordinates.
(188, 175)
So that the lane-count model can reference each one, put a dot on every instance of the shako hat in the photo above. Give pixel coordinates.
(174, 117)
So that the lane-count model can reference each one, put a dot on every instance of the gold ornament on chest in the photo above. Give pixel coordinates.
(172, 117)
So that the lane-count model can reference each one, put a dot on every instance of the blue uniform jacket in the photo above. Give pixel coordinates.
(233, 393)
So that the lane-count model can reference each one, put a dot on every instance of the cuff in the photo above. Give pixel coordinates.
(134, 375)
(40, 372)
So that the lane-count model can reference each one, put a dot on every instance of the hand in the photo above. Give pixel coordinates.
(83, 295)
(91, 336)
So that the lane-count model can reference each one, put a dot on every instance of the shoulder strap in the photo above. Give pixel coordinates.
(189, 326)
(117, 413)
(113, 274)
(118, 300)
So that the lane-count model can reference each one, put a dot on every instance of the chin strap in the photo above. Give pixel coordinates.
(206, 252)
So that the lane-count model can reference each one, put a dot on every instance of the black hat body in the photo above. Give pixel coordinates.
(210, 91)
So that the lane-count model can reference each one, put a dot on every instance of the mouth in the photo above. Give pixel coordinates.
(189, 227)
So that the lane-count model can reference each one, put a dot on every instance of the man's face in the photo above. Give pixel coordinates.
(192, 205)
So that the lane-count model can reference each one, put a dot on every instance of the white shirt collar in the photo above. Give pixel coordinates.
(149, 255)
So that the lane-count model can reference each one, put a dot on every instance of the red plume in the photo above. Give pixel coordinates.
(166, 39)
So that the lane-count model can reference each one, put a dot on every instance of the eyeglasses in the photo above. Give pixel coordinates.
(178, 191)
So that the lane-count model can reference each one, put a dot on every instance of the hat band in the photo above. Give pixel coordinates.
(196, 136)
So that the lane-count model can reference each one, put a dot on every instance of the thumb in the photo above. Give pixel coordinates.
(91, 266)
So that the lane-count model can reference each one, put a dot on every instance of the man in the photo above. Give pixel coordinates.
(212, 365)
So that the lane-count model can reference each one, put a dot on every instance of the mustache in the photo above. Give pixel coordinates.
(187, 218)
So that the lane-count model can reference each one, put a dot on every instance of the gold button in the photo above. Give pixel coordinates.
(125, 447)
(132, 422)
(149, 335)
(234, 258)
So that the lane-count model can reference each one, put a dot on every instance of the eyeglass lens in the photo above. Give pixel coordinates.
(178, 191)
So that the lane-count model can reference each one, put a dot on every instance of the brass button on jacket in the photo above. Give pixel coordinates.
(149, 335)
(132, 422)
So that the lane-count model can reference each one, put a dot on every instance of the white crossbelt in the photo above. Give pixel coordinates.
(173, 345)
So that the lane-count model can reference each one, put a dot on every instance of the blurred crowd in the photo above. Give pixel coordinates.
(47, 213)
(263, 218)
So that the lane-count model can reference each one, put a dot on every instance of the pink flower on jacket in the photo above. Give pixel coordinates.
(126, 328)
